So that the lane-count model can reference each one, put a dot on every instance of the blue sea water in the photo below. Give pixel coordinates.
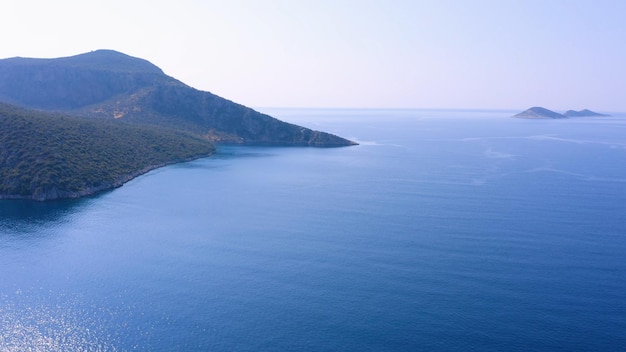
(444, 230)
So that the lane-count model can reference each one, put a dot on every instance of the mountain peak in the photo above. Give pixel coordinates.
(99, 60)
(110, 60)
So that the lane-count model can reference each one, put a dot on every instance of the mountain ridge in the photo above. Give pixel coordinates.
(99, 59)
(110, 84)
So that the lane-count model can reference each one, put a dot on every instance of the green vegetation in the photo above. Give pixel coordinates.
(49, 156)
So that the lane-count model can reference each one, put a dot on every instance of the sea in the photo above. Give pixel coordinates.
(443, 230)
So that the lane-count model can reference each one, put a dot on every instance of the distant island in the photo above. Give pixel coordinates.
(582, 113)
(543, 113)
(539, 113)
(74, 126)
(110, 84)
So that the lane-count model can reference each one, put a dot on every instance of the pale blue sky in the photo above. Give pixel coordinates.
(560, 54)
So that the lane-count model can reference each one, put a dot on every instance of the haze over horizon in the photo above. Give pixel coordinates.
(347, 53)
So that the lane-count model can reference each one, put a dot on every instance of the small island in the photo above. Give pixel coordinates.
(582, 113)
(538, 112)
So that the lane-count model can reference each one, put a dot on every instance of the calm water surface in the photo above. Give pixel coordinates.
(442, 231)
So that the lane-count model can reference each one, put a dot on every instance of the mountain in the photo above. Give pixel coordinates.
(113, 85)
(583, 113)
(46, 156)
(539, 113)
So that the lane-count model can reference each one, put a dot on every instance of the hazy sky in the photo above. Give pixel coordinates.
(351, 53)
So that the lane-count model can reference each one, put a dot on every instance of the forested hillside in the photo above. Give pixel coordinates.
(50, 156)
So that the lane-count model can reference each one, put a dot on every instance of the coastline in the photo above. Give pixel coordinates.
(56, 194)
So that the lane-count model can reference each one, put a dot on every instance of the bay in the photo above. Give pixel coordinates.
(443, 230)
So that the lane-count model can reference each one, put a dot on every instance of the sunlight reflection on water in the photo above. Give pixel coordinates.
(50, 328)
